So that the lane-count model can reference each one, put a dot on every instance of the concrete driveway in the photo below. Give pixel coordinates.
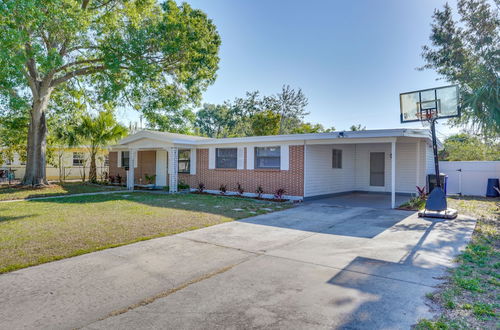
(312, 266)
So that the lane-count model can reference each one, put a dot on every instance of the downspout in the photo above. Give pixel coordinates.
(304, 174)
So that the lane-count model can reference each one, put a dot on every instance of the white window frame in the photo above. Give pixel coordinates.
(256, 158)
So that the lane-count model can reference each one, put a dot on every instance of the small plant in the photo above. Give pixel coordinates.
(182, 185)
(150, 179)
(259, 191)
(111, 179)
(279, 193)
(240, 189)
(223, 189)
(421, 192)
(201, 187)
(118, 179)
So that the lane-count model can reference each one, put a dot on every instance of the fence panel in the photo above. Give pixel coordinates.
(469, 177)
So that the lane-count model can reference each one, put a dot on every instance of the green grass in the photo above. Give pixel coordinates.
(469, 299)
(34, 232)
(18, 192)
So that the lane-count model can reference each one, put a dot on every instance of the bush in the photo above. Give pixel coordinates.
(150, 179)
(279, 193)
(118, 178)
(182, 185)
(201, 187)
(240, 189)
(259, 191)
(223, 189)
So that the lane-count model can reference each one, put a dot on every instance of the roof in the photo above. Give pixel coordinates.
(176, 138)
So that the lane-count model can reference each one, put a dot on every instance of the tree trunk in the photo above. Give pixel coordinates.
(37, 142)
(93, 168)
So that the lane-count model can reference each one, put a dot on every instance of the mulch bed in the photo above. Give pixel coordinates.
(240, 196)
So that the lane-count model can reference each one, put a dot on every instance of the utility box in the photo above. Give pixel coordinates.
(431, 182)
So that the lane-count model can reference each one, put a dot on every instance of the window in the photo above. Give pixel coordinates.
(78, 158)
(184, 161)
(267, 157)
(226, 157)
(106, 160)
(336, 158)
(125, 159)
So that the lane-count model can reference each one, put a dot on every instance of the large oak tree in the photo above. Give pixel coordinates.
(153, 57)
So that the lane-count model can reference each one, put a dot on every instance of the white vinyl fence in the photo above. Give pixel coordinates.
(469, 177)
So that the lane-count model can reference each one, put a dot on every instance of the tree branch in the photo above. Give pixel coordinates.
(64, 67)
(79, 72)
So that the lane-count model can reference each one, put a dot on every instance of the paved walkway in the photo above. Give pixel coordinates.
(313, 266)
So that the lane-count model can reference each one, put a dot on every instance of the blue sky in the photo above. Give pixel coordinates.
(351, 58)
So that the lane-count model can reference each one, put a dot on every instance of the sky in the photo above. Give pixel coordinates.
(351, 58)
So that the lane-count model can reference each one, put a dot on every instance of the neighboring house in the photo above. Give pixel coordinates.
(305, 165)
(67, 163)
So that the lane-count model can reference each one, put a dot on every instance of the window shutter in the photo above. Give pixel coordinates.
(285, 157)
(192, 162)
(211, 158)
(250, 157)
(119, 159)
(241, 158)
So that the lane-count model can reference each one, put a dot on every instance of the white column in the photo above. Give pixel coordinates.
(173, 167)
(131, 167)
(192, 162)
(393, 174)
(418, 164)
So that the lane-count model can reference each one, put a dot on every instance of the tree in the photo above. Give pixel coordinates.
(466, 52)
(467, 147)
(265, 123)
(290, 105)
(96, 132)
(357, 127)
(153, 57)
(216, 120)
(311, 128)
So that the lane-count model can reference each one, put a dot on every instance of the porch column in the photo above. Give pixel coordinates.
(418, 164)
(173, 168)
(393, 174)
(131, 165)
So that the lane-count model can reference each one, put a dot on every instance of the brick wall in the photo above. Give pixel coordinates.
(271, 180)
(146, 164)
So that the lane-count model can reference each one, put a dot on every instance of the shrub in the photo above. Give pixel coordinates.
(182, 185)
(201, 187)
(259, 191)
(223, 189)
(421, 192)
(118, 179)
(111, 179)
(279, 193)
(150, 178)
(240, 189)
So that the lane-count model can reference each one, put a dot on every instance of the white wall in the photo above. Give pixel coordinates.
(473, 177)
(321, 178)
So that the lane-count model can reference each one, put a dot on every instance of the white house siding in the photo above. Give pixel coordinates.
(321, 178)
(429, 159)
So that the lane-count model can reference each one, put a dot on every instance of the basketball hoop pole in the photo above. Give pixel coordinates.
(435, 149)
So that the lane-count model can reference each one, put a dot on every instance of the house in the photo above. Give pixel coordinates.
(63, 163)
(307, 166)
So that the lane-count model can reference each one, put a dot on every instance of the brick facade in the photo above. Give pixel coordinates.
(271, 180)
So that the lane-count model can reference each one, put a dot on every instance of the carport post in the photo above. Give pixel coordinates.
(132, 154)
(393, 174)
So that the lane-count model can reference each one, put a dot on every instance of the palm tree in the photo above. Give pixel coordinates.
(96, 132)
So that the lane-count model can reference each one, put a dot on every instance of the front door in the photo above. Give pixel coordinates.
(377, 169)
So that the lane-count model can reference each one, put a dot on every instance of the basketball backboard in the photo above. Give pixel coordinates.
(427, 104)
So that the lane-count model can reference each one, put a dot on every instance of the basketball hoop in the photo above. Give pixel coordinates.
(426, 106)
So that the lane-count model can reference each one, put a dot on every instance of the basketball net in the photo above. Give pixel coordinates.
(426, 115)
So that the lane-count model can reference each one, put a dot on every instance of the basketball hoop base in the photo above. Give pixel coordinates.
(445, 214)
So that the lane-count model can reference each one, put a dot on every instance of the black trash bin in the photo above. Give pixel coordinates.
(490, 190)
(431, 182)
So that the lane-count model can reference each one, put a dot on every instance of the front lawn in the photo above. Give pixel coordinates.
(34, 232)
(18, 192)
(470, 297)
